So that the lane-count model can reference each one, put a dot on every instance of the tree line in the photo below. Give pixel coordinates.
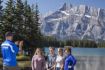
(23, 19)
(51, 41)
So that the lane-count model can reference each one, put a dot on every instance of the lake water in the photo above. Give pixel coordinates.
(88, 58)
(84, 51)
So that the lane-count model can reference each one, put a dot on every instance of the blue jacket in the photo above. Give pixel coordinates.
(70, 61)
(9, 51)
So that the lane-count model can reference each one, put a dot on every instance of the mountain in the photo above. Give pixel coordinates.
(75, 22)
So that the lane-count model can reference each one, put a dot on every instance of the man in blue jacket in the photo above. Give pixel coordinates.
(9, 50)
(70, 61)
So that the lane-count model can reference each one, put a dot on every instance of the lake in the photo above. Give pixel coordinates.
(88, 58)
(84, 51)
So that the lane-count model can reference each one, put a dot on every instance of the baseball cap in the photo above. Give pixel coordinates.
(8, 34)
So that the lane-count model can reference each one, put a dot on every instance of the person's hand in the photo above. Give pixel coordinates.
(17, 42)
(61, 67)
(21, 44)
(54, 67)
(69, 66)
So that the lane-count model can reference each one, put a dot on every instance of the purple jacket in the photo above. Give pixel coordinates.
(38, 62)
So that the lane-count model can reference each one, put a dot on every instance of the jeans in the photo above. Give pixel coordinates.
(57, 68)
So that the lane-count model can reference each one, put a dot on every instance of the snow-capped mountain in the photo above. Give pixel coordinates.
(75, 22)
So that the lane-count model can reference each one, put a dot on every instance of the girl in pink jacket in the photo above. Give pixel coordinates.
(38, 60)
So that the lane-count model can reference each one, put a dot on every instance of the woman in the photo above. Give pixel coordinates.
(38, 60)
(70, 60)
(59, 60)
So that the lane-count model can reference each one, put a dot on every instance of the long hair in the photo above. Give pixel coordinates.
(38, 49)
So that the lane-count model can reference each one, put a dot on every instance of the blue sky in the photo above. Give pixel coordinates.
(52, 5)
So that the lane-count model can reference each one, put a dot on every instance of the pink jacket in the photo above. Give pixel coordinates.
(38, 62)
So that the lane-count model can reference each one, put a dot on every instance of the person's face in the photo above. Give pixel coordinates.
(60, 52)
(66, 52)
(21, 43)
(51, 51)
(9, 38)
(38, 52)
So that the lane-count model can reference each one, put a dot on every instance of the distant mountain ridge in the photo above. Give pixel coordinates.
(75, 22)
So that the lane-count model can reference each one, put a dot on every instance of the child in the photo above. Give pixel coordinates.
(38, 60)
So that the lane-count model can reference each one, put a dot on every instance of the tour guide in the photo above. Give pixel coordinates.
(9, 50)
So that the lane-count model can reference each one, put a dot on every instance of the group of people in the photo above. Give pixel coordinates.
(55, 61)
(62, 60)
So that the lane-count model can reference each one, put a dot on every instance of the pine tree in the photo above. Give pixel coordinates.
(22, 18)
(31, 15)
(19, 11)
(27, 20)
(9, 16)
(1, 13)
(36, 24)
(1, 8)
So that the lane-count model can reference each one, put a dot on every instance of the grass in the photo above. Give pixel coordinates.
(23, 62)
(22, 58)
